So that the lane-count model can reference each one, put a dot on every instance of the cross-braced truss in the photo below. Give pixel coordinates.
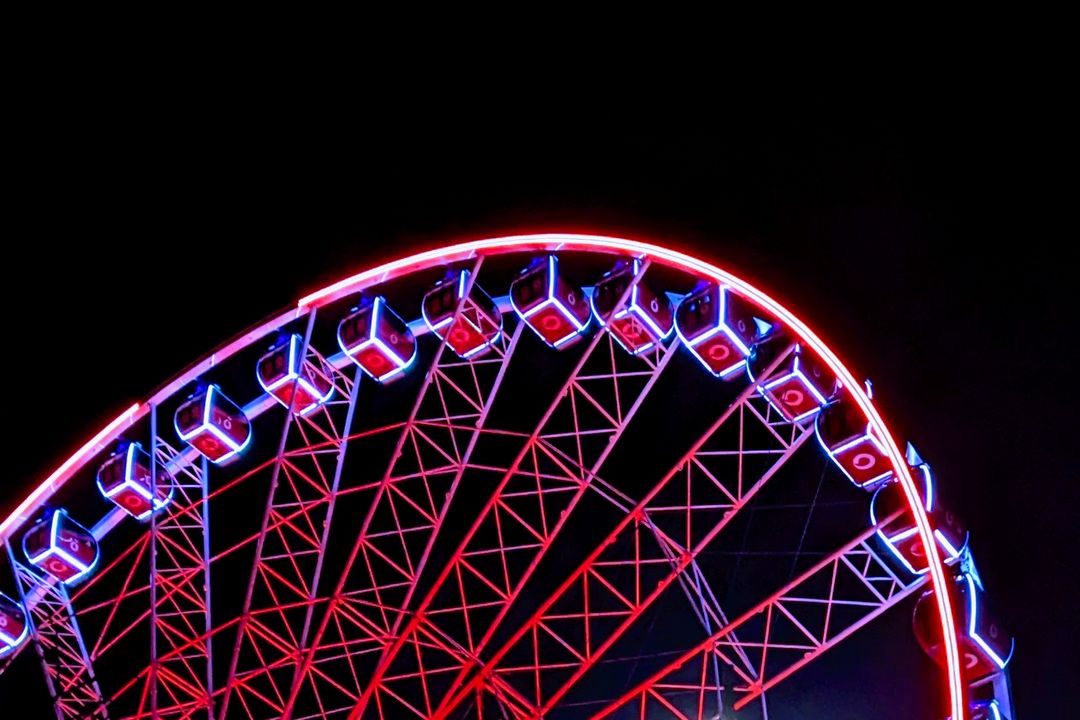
(284, 585)
(655, 544)
(538, 492)
(395, 538)
(69, 673)
(422, 621)
(179, 683)
(790, 628)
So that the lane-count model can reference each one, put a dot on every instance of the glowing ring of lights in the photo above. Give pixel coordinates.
(28, 508)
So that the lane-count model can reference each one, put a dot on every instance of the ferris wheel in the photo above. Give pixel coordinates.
(547, 476)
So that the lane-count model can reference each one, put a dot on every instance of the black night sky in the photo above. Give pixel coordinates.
(912, 239)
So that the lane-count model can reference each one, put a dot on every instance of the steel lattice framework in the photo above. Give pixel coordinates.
(497, 535)
(69, 672)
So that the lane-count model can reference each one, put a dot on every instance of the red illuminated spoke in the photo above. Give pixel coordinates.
(400, 526)
(621, 579)
(304, 483)
(179, 589)
(535, 497)
(544, 587)
(69, 673)
(783, 633)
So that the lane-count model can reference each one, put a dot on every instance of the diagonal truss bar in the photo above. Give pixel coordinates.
(291, 567)
(520, 522)
(695, 585)
(180, 677)
(812, 613)
(401, 524)
(608, 593)
(694, 582)
(815, 625)
(69, 674)
(304, 483)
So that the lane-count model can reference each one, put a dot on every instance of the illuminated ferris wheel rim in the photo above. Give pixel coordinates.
(548, 242)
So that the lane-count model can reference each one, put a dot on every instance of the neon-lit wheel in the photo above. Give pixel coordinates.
(547, 476)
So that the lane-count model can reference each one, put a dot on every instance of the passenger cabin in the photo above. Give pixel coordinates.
(61, 547)
(799, 386)
(126, 480)
(985, 646)
(297, 382)
(719, 328)
(213, 424)
(378, 340)
(900, 537)
(551, 305)
(845, 434)
(14, 626)
(469, 324)
(643, 319)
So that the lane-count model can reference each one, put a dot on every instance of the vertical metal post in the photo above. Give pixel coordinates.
(153, 565)
(206, 577)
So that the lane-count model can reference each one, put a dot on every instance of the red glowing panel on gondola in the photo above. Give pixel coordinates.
(865, 462)
(799, 387)
(645, 316)
(283, 373)
(985, 646)
(213, 424)
(794, 397)
(551, 323)
(378, 340)
(632, 334)
(846, 436)
(554, 308)
(718, 327)
(475, 327)
(901, 537)
(125, 479)
(14, 626)
(61, 547)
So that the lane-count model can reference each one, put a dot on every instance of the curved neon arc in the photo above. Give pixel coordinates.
(553, 242)
(26, 509)
(588, 242)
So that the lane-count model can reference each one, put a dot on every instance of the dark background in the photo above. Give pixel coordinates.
(911, 236)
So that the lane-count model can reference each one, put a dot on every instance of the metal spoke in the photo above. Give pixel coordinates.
(688, 508)
(396, 536)
(304, 483)
(783, 633)
(537, 494)
(179, 682)
(69, 674)
(499, 563)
